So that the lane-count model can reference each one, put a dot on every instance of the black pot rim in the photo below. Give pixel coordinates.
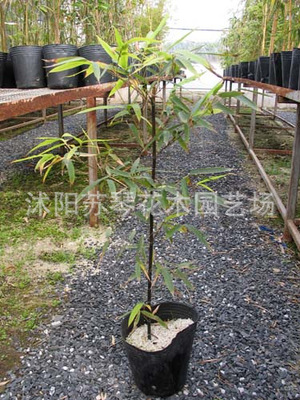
(166, 349)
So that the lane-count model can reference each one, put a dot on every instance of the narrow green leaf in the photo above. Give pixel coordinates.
(135, 311)
(155, 318)
(209, 170)
(200, 235)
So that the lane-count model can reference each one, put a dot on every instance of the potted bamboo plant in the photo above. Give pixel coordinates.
(158, 370)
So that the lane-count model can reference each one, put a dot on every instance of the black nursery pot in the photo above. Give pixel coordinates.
(28, 66)
(95, 52)
(243, 72)
(64, 79)
(163, 373)
(276, 61)
(3, 57)
(257, 71)
(295, 69)
(264, 69)
(251, 70)
(9, 76)
(275, 69)
(286, 61)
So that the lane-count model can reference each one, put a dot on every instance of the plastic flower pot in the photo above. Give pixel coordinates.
(295, 69)
(264, 68)
(251, 70)
(95, 52)
(272, 69)
(243, 71)
(163, 373)
(235, 71)
(286, 61)
(276, 61)
(28, 66)
(257, 71)
(9, 76)
(64, 79)
(3, 57)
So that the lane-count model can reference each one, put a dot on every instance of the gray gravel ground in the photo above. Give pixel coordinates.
(288, 115)
(248, 333)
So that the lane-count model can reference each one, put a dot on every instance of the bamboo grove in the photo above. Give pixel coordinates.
(38, 22)
(264, 27)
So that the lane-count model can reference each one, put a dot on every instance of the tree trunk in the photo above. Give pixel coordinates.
(273, 33)
(3, 29)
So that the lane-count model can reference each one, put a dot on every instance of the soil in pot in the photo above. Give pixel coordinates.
(286, 61)
(164, 372)
(295, 69)
(9, 76)
(3, 57)
(95, 52)
(60, 80)
(28, 67)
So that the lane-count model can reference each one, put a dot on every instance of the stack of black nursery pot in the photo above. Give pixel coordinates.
(280, 69)
(29, 67)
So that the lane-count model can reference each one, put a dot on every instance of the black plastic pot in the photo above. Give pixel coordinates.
(28, 66)
(95, 52)
(295, 69)
(286, 61)
(9, 76)
(264, 68)
(163, 373)
(243, 71)
(65, 79)
(272, 68)
(3, 57)
(276, 60)
(257, 71)
(251, 70)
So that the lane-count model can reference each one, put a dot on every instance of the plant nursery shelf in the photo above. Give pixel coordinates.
(287, 212)
(15, 102)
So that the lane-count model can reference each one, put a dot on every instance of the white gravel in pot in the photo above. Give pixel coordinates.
(161, 337)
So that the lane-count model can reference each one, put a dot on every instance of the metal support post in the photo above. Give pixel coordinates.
(294, 179)
(230, 89)
(238, 103)
(253, 121)
(60, 120)
(92, 160)
(105, 111)
(164, 94)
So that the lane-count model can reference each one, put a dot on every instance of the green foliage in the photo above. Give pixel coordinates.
(263, 27)
(154, 201)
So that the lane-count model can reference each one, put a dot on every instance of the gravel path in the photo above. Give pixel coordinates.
(290, 116)
(247, 337)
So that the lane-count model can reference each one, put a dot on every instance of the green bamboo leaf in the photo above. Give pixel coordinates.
(184, 277)
(200, 235)
(247, 102)
(170, 232)
(118, 38)
(109, 50)
(119, 84)
(71, 170)
(154, 317)
(111, 186)
(168, 280)
(137, 110)
(209, 170)
(135, 311)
